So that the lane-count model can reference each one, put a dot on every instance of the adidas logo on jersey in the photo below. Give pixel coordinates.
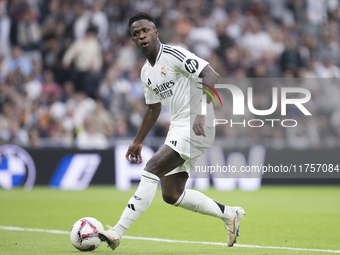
(149, 82)
(174, 142)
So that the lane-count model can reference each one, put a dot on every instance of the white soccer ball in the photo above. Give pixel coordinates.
(84, 234)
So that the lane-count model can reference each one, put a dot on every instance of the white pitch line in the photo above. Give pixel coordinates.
(173, 241)
(35, 230)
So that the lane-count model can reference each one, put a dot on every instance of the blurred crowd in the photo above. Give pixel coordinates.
(69, 71)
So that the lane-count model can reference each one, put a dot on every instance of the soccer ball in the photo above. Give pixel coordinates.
(84, 234)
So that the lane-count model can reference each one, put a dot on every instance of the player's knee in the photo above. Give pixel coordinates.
(170, 198)
(153, 166)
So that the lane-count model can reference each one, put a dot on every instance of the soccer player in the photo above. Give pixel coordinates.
(167, 79)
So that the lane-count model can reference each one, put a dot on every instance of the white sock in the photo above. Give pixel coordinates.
(195, 201)
(139, 202)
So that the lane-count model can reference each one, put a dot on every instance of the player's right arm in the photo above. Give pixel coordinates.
(150, 117)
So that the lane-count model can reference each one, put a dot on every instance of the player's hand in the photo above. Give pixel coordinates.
(134, 154)
(198, 126)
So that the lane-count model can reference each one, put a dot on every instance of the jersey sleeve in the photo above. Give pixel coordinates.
(150, 96)
(186, 61)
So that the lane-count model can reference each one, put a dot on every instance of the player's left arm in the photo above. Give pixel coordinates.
(210, 77)
(195, 66)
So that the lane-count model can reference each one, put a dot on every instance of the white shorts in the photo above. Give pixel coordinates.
(183, 140)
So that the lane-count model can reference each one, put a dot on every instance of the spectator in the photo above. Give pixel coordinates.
(202, 45)
(3, 68)
(82, 106)
(87, 57)
(317, 11)
(167, 30)
(225, 41)
(256, 40)
(115, 91)
(121, 128)
(57, 109)
(90, 138)
(327, 70)
(29, 35)
(136, 116)
(5, 25)
(33, 87)
(290, 58)
(99, 19)
(68, 91)
(18, 63)
(34, 139)
(16, 134)
(277, 9)
(329, 49)
(5, 116)
(218, 13)
(240, 39)
(235, 24)
(127, 56)
(102, 119)
(136, 92)
(82, 21)
(232, 60)
(49, 86)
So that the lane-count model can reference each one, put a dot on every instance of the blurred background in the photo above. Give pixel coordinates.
(70, 75)
(69, 71)
(71, 101)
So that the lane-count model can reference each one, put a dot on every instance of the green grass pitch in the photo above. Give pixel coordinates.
(281, 216)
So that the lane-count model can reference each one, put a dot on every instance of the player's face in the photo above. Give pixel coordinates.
(144, 34)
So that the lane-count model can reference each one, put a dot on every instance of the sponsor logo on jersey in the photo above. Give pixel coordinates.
(164, 90)
(16, 167)
(163, 72)
(191, 65)
(163, 87)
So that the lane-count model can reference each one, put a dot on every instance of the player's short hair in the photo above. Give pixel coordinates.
(139, 16)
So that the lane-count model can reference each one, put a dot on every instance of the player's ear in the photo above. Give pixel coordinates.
(156, 32)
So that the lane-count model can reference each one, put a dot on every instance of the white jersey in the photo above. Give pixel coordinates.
(171, 82)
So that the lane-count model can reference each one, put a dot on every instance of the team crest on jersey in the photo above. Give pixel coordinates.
(163, 72)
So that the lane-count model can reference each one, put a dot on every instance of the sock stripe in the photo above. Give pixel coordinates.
(220, 206)
(182, 198)
(121, 226)
(150, 178)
